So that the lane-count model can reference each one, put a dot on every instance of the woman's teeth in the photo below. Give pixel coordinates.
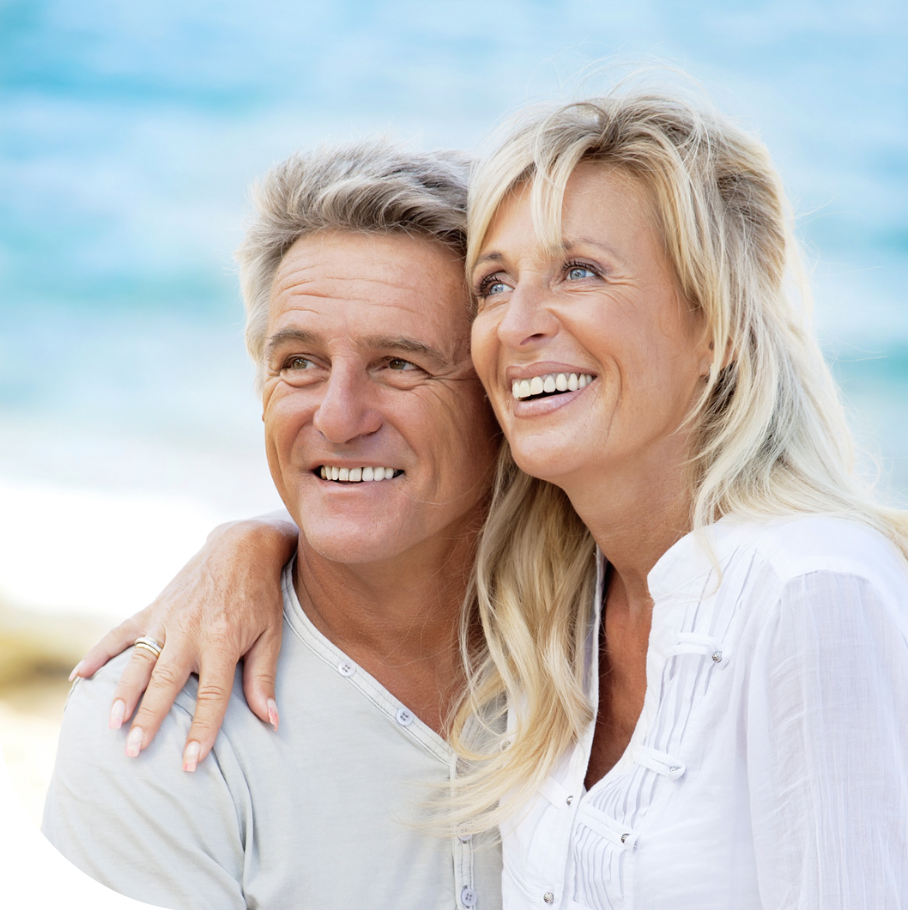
(551, 382)
(356, 475)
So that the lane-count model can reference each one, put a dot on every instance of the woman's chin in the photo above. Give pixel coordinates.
(549, 463)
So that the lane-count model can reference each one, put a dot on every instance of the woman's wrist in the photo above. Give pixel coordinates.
(273, 536)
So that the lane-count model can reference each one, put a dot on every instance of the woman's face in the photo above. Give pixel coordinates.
(590, 356)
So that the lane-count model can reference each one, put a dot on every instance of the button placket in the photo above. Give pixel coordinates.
(404, 717)
(704, 645)
(660, 762)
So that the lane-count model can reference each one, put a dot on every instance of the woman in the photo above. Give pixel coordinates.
(744, 643)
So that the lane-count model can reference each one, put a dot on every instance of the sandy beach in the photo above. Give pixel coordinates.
(31, 709)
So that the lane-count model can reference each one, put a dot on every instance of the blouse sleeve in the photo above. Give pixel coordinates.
(827, 747)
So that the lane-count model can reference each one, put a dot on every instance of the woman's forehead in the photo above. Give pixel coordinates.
(595, 199)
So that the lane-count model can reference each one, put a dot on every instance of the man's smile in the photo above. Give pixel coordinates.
(357, 475)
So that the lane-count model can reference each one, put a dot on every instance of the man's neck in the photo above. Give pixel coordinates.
(398, 619)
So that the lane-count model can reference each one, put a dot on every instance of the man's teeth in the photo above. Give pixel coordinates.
(355, 475)
(551, 382)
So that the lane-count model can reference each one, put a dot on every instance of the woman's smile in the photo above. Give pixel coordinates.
(549, 384)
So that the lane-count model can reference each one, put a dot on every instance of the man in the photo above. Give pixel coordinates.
(382, 447)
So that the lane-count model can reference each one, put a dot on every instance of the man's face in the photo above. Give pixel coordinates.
(368, 374)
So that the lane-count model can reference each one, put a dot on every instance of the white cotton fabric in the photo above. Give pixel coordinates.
(769, 767)
(323, 813)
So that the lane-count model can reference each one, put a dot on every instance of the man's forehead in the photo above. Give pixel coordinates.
(393, 260)
(374, 288)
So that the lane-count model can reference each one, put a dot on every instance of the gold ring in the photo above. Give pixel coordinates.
(150, 645)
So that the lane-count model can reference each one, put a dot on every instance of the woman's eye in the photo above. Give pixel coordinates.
(579, 272)
(490, 287)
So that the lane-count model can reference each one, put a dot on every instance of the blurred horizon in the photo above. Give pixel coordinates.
(132, 132)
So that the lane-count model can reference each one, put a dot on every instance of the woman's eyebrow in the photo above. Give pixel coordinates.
(569, 245)
(486, 258)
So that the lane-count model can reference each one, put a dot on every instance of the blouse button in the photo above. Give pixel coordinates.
(717, 657)
(569, 800)
(624, 837)
(468, 897)
(548, 897)
(404, 717)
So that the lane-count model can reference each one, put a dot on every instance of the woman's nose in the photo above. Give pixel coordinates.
(346, 409)
(527, 319)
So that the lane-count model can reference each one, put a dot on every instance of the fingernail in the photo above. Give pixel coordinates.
(134, 742)
(117, 713)
(272, 713)
(76, 670)
(191, 757)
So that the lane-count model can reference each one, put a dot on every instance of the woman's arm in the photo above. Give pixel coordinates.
(827, 736)
(224, 606)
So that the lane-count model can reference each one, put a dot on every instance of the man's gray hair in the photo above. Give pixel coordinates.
(366, 187)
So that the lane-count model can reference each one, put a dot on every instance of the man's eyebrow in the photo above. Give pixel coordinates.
(289, 336)
(397, 343)
(404, 345)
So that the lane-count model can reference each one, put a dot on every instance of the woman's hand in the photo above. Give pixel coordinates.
(225, 605)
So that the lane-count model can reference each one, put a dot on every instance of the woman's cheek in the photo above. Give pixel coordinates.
(482, 343)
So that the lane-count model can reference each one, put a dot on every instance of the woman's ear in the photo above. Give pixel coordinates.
(708, 366)
(727, 357)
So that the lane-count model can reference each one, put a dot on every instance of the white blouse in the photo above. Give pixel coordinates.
(769, 766)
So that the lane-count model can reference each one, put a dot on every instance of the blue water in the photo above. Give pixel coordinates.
(129, 133)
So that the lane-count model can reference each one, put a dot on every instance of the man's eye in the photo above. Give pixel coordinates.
(298, 363)
(398, 363)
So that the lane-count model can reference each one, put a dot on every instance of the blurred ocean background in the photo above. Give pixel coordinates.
(129, 133)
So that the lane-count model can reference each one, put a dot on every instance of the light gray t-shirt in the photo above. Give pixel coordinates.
(321, 814)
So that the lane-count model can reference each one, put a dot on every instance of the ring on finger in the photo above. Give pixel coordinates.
(149, 644)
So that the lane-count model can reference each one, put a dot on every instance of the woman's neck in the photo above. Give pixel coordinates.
(634, 520)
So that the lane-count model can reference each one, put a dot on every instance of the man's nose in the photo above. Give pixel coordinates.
(347, 408)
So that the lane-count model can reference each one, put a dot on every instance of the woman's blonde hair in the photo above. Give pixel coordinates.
(769, 432)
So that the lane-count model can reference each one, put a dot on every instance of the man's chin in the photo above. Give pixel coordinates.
(371, 543)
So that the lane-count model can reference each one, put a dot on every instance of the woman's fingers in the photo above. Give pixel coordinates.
(132, 683)
(259, 671)
(113, 643)
(167, 676)
(216, 677)
(226, 598)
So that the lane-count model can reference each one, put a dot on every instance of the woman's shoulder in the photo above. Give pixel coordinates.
(798, 545)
